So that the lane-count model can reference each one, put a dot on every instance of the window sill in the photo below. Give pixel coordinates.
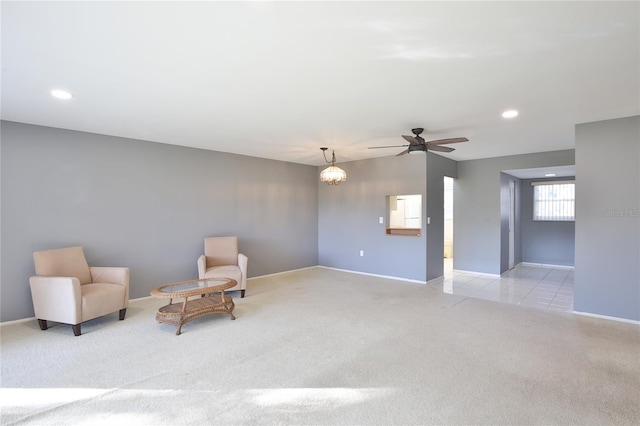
(406, 232)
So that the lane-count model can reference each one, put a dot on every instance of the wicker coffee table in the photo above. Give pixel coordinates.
(207, 298)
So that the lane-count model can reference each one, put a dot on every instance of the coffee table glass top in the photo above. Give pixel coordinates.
(193, 286)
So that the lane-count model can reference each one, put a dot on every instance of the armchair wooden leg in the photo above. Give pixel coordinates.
(241, 294)
(76, 329)
(42, 324)
(123, 312)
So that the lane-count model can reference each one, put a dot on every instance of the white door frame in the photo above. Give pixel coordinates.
(512, 223)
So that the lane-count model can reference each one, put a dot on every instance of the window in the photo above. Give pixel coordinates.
(554, 200)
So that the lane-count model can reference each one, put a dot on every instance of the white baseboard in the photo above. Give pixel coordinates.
(546, 265)
(587, 314)
(17, 321)
(248, 279)
(280, 273)
(137, 299)
(151, 297)
(439, 280)
(34, 318)
(374, 275)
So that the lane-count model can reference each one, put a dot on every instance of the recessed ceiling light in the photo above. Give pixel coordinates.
(61, 94)
(550, 175)
(510, 113)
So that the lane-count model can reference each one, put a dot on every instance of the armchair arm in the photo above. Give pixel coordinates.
(57, 299)
(202, 266)
(242, 263)
(112, 275)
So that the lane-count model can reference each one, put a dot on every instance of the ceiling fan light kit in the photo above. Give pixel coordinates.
(415, 149)
(417, 145)
(332, 175)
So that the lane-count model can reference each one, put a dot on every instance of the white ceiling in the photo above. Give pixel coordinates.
(281, 79)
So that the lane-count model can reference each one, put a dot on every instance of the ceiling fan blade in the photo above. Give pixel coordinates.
(450, 140)
(412, 140)
(439, 148)
(403, 152)
(391, 146)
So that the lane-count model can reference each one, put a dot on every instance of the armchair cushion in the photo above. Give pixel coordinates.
(65, 262)
(221, 251)
(227, 271)
(101, 299)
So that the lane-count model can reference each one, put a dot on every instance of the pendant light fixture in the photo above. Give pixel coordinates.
(332, 175)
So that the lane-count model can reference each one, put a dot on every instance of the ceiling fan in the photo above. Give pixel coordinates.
(418, 144)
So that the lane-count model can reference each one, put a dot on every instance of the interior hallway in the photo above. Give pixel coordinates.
(542, 287)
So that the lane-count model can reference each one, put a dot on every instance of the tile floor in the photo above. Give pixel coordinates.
(539, 287)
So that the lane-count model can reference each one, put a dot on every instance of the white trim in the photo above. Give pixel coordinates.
(587, 314)
(546, 265)
(280, 273)
(33, 318)
(439, 279)
(606, 317)
(375, 275)
(151, 297)
(141, 298)
(512, 224)
(482, 274)
(248, 279)
(16, 321)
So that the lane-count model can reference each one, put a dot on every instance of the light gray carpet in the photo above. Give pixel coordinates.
(319, 346)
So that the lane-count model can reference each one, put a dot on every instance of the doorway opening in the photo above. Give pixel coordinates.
(448, 226)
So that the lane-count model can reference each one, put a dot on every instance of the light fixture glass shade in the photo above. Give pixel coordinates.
(417, 149)
(333, 175)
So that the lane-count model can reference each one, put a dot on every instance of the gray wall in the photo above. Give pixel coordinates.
(437, 168)
(348, 218)
(477, 237)
(145, 205)
(545, 242)
(607, 265)
(148, 205)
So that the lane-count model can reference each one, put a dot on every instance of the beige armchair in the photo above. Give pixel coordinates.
(221, 259)
(65, 289)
